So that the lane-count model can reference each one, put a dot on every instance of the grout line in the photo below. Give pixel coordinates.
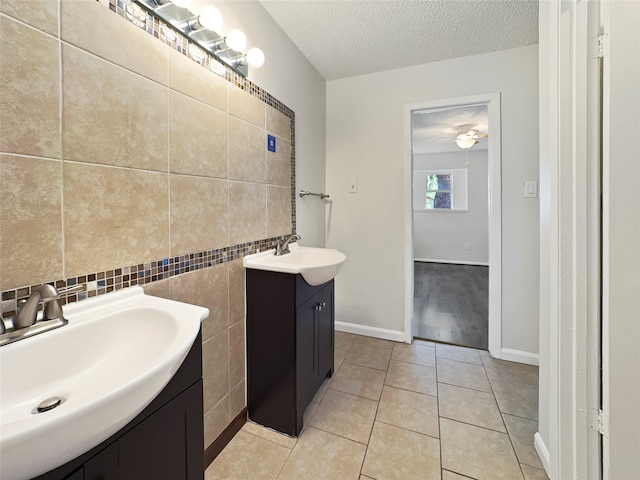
(63, 237)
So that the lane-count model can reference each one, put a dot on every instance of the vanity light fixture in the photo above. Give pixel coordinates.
(203, 33)
(182, 3)
(210, 18)
(255, 57)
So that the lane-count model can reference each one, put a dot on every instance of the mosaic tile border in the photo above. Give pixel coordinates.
(99, 283)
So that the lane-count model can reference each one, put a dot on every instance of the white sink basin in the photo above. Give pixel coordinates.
(115, 355)
(316, 265)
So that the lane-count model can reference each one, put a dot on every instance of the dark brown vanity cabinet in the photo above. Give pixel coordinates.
(290, 345)
(164, 441)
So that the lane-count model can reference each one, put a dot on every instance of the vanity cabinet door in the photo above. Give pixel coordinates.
(104, 466)
(290, 326)
(77, 475)
(156, 447)
(306, 351)
(325, 332)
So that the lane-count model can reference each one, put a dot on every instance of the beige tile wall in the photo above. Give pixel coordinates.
(117, 150)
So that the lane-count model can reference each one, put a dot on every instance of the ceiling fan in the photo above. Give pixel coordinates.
(469, 138)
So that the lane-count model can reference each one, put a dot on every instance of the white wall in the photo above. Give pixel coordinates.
(365, 128)
(288, 76)
(441, 235)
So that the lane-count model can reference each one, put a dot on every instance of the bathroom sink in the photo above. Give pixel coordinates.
(316, 265)
(115, 355)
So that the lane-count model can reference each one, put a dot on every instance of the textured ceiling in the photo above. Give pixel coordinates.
(346, 38)
(435, 130)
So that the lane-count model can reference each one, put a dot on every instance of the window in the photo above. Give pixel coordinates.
(440, 190)
(438, 194)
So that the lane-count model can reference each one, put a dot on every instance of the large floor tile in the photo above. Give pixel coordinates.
(323, 456)
(469, 406)
(409, 410)
(518, 400)
(375, 342)
(462, 374)
(369, 356)
(461, 354)
(531, 473)
(346, 415)
(362, 381)
(511, 371)
(477, 452)
(248, 456)
(408, 376)
(308, 413)
(414, 353)
(522, 431)
(317, 398)
(398, 454)
(447, 475)
(344, 341)
(271, 435)
(338, 358)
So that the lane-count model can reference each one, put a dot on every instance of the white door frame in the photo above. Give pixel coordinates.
(492, 100)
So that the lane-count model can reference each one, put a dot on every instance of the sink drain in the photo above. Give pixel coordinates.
(48, 404)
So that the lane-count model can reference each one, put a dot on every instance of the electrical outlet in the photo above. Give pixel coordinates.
(466, 245)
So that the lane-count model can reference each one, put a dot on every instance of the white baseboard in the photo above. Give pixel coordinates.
(454, 262)
(542, 451)
(368, 331)
(520, 356)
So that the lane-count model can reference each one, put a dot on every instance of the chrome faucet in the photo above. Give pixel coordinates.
(25, 324)
(282, 247)
(29, 311)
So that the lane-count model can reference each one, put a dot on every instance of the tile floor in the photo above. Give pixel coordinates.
(398, 411)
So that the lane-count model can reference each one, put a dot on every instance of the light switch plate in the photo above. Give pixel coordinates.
(531, 189)
(353, 185)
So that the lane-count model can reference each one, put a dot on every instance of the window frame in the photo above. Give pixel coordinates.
(462, 174)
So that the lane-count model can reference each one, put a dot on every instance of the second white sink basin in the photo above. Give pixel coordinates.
(316, 265)
(115, 355)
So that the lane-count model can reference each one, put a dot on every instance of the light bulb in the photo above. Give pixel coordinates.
(182, 3)
(465, 142)
(255, 57)
(210, 18)
(236, 40)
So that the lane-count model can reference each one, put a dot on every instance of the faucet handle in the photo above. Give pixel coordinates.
(71, 288)
(52, 308)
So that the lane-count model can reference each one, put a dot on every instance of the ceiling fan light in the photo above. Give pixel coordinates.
(465, 142)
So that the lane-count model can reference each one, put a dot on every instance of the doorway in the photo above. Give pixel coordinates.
(456, 201)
